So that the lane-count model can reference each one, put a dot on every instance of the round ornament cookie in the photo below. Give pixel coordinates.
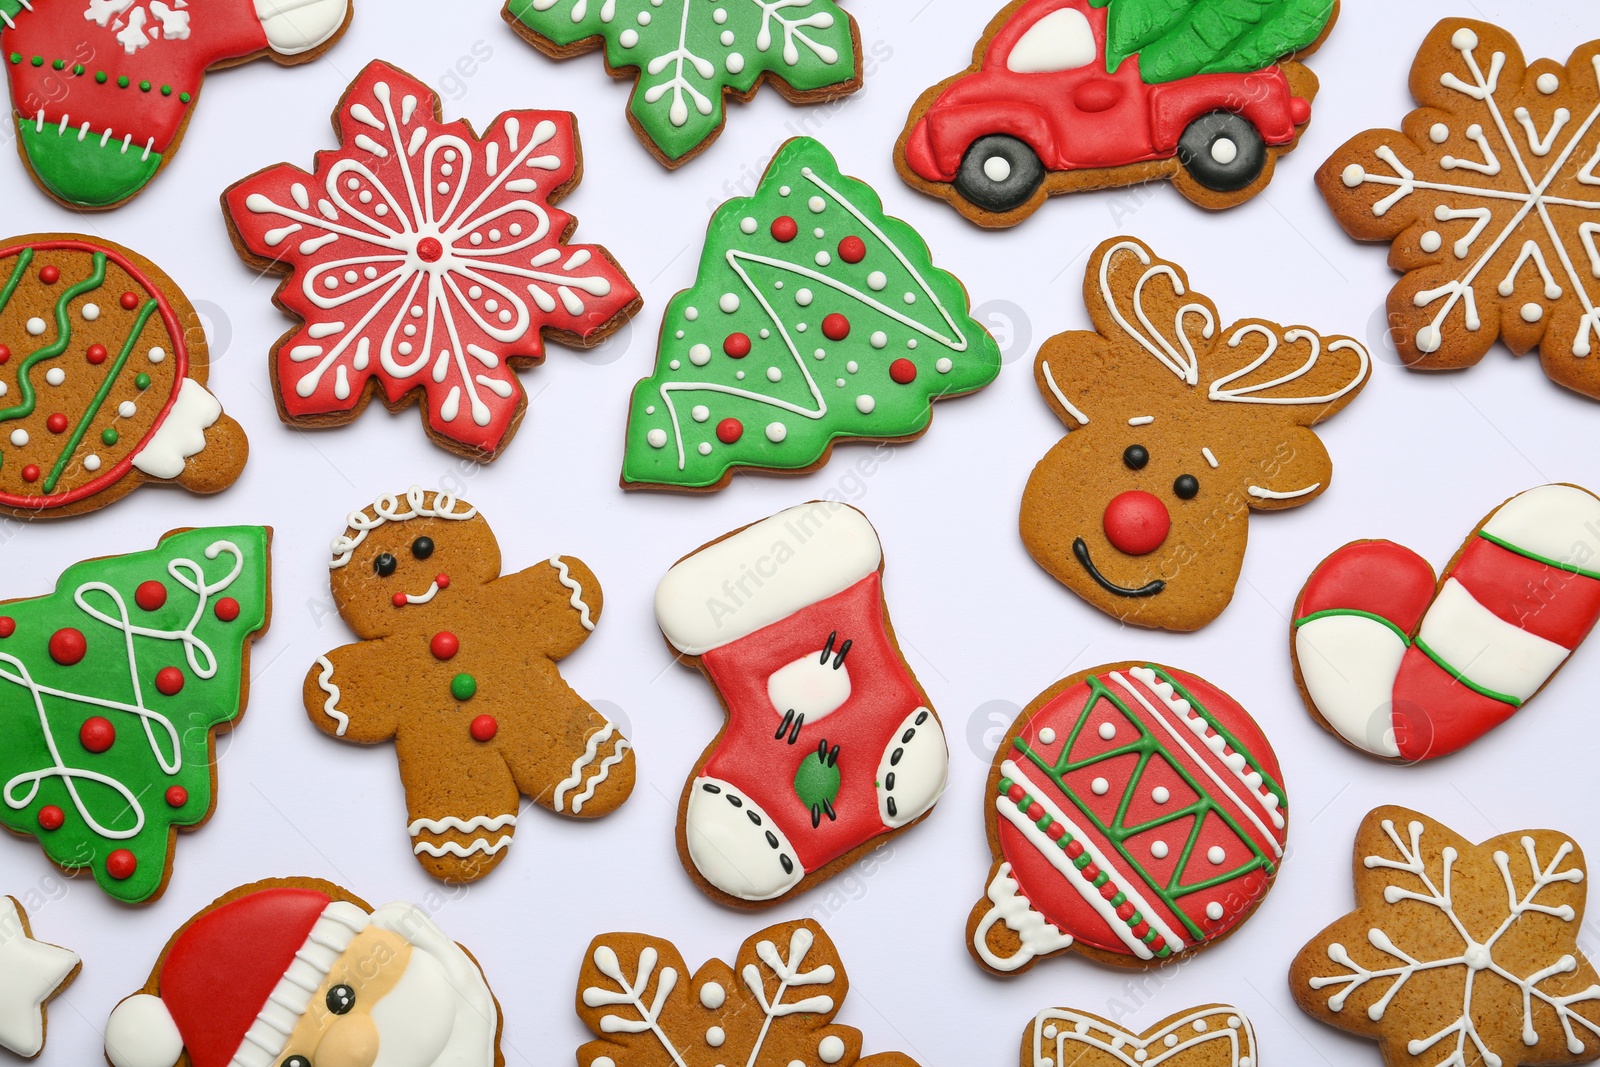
(103, 367)
(1136, 813)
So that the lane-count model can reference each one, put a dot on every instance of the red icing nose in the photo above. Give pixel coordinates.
(1136, 522)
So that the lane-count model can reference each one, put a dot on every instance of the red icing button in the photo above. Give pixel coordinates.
(8, 626)
(30, 473)
(56, 423)
(484, 728)
(129, 301)
(429, 250)
(836, 327)
(51, 817)
(443, 581)
(169, 680)
(177, 796)
(729, 431)
(50, 274)
(227, 609)
(737, 345)
(903, 371)
(68, 646)
(121, 865)
(97, 734)
(5, 353)
(444, 645)
(852, 250)
(399, 600)
(1136, 522)
(150, 595)
(96, 354)
(784, 228)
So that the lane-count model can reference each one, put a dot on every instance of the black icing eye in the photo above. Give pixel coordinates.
(296, 1061)
(384, 565)
(341, 998)
(1136, 456)
(1186, 486)
(422, 547)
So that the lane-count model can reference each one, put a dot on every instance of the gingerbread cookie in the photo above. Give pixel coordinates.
(1396, 664)
(33, 974)
(1178, 427)
(112, 689)
(1487, 195)
(815, 318)
(830, 746)
(290, 972)
(1212, 1035)
(102, 90)
(774, 1006)
(456, 664)
(1457, 953)
(426, 262)
(1136, 812)
(103, 366)
(1070, 95)
(686, 56)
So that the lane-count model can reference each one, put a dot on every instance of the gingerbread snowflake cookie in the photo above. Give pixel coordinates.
(102, 90)
(774, 1007)
(687, 56)
(1178, 427)
(103, 368)
(830, 747)
(426, 261)
(1458, 953)
(1212, 1035)
(456, 664)
(1489, 197)
(32, 973)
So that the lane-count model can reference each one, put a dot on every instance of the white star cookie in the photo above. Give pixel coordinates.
(31, 974)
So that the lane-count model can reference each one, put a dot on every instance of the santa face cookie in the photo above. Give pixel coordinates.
(1397, 664)
(112, 689)
(34, 973)
(457, 666)
(686, 56)
(1178, 427)
(426, 263)
(815, 318)
(1458, 953)
(1067, 95)
(1487, 197)
(1212, 1035)
(103, 365)
(1136, 812)
(831, 747)
(102, 90)
(293, 972)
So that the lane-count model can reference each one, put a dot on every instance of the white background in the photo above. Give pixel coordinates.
(1418, 459)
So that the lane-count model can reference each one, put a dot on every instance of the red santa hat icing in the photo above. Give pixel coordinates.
(235, 982)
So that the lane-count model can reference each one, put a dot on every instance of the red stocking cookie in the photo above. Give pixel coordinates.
(457, 666)
(830, 744)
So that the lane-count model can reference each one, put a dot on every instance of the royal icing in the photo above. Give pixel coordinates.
(576, 600)
(584, 760)
(1064, 1035)
(34, 973)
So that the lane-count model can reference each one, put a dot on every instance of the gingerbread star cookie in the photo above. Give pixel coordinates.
(32, 973)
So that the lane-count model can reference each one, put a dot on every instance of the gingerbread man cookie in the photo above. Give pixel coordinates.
(457, 666)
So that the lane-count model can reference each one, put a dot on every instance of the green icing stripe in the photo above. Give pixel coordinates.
(1570, 568)
(63, 339)
(1503, 698)
(100, 396)
(1330, 612)
(23, 260)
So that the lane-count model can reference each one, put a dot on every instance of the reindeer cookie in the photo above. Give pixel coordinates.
(457, 666)
(1178, 428)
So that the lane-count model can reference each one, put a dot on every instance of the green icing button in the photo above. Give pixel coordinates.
(142, 381)
(109, 436)
(463, 687)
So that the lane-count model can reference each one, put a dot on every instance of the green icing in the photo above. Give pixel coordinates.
(1178, 38)
(85, 172)
(39, 743)
(26, 398)
(683, 65)
(787, 290)
(463, 687)
(816, 781)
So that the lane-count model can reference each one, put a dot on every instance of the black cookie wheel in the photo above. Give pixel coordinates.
(999, 173)
(1222, 151)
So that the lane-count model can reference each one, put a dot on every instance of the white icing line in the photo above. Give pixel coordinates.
(451, 822)
(612, 760)
(566, 579)
(1055, 391)
(1272, 494)
(1210, 457)
(571, 781)
(1141, 420)
(452, 848)
(330, 707)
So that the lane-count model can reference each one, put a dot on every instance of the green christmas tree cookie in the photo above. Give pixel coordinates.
(111, 690)
(815, 317)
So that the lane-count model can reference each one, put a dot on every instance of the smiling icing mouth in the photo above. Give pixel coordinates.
(441, 582)
(1150, 588)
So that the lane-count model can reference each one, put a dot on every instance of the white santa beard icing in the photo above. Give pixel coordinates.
(810, 686)
(1348, 664)
(438, 976)
(181, 434)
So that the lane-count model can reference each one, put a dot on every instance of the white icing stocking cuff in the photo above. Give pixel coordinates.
(181, 434)
(296, 26)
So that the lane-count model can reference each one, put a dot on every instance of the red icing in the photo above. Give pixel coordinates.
(51, 817)
(1380, 577)
(852, 249)
(1557, 605)
(169, 681)
(1136, 522)
(784, 228)
(429, 250)
(836, 327)
(1434, 715)
(150, 595)
(226, 609)
(56, 423)
(442, 580)
(129, 301)
(30, 473)
(5, 353)
(177, 796)
(399, 600)
(50, 274)
(97, 734)
(68, 646)
(484, 727)
(729, 431)
(444, 645)
(737, 345)
(121, 864)
(96, 354)
(8, 626)
(903, 371)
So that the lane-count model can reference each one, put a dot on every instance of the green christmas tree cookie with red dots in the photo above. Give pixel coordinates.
(814, 318)
(111, 691)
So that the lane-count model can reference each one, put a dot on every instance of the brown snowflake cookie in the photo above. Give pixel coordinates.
(456, 664)
(1211, 1035)
(1457, 953)
(773, 1007)
(1490, 198)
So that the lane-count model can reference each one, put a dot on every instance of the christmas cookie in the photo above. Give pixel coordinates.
(33, 974)
(1212, 1035)
(1402, 666)
(830, 746)
(291, 972)
(1458, 953)
(1070, 95)
(426, 262)
(1488, 197)
(685, 56)
(815, 318)
(1178, 427)
(103, 365)
(456, 664)
(112, 690)
(1135, 813)
(774, 1006)
(102, 90)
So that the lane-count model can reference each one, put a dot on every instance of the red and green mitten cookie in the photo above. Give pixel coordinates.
(815, 318)
(425, 259)
(111, 690)
(102, 90)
